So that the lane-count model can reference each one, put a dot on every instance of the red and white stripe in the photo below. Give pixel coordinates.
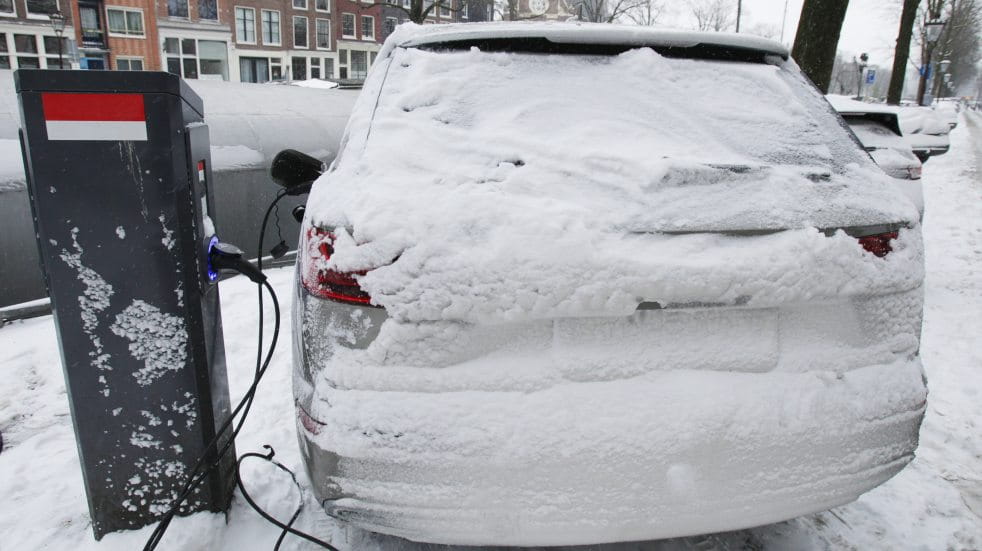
(100, 117)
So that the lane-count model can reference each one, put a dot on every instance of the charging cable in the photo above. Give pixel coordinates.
(223, 256)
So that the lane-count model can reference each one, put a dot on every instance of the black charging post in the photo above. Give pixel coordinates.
(118, 171)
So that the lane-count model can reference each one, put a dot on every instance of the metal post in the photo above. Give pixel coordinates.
(61, 61)
(739, 9)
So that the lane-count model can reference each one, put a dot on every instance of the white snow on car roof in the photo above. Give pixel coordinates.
(847, 105)
(585, 33)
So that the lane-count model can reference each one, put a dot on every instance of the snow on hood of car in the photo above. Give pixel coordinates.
(512, 186)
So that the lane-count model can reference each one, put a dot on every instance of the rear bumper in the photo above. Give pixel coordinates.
(665, 454)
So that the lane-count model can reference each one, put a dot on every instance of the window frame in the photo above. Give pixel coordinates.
(130, 59)
(445, 5)
(296, 7)
(306, 24)
(33, 15)
(125, 9)
(317, 34)
(395, 23)
(354, 26)
(279, 27)
(235, 16)
(318, 10)
(362, 27)
(13, 10)
(187, 5)
(218, 12)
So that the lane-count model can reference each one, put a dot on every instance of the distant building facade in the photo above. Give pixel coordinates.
(237, 40)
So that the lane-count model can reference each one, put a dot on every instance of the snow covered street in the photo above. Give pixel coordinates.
(935, 503)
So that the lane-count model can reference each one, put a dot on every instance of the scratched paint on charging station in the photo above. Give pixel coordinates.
(94, 117)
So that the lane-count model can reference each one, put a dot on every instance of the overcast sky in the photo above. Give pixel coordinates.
(870, 25)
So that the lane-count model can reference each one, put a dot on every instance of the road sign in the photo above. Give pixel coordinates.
(870, 76)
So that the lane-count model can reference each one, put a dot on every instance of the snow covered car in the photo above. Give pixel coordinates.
(878, 129)
(948, 109)
(926, 131)
(572, 283)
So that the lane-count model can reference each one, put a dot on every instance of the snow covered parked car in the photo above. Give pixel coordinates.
(878, 128)
(926, 131)
(572, 283)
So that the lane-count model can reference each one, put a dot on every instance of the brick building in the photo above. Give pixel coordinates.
(27, 39)
(237, 40)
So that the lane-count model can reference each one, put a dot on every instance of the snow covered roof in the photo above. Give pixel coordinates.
(587, 33)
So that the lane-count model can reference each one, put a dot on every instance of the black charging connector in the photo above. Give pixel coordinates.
(225, 256)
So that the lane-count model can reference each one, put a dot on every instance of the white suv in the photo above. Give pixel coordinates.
(568, 284)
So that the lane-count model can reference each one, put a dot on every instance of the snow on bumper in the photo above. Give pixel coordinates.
(661, 455)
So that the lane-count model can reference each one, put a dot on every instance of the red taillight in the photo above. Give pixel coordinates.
(312, 425)
(325, 283)
(878, 244)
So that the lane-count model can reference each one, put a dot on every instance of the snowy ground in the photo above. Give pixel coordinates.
(936, 503)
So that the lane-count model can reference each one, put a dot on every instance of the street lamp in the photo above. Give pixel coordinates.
(932, 33)
(863, 63)
(58, 24)
(933, 30)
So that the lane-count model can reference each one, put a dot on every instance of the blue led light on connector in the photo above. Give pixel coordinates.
(212, 274)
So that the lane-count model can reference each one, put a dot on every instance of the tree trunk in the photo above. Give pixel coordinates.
(901, 53)
(817, 39)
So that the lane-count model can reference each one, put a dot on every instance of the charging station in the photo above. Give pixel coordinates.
(119, 170)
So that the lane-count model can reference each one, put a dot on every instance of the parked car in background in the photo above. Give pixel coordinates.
(878, 128)
(577, 283)
(925, 130)
(948, 110)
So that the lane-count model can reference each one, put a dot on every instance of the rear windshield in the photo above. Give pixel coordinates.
(617, 113)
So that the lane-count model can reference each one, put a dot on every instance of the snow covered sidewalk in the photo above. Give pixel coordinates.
(936, 503)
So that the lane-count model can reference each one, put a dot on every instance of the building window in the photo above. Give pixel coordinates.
(271, 27)
(299, 4)
(390, 25)
(27, 44)
(191, 58)
(406, 3)
(463, 9)
(343, 57)
(129, 63)
(41, 7)
(348, 25)
(91, 27)
(7, 8)
(299, 31)
(177, 8)
(299, 68)
(367, 27)
(315, 67)
(445, 8)
(275, 68)
(322, 5)
(208, 10)
(254, 69)
(359, 64)
(245, 25)
(323, 34)
(328, 67)
(125, 22)
(4, 58)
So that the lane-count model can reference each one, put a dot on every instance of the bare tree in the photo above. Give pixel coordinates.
(902, 51)
(713, 15)
(959, 44)
(817, 38)
(418, 10)
(646, 12)
(603, 11)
